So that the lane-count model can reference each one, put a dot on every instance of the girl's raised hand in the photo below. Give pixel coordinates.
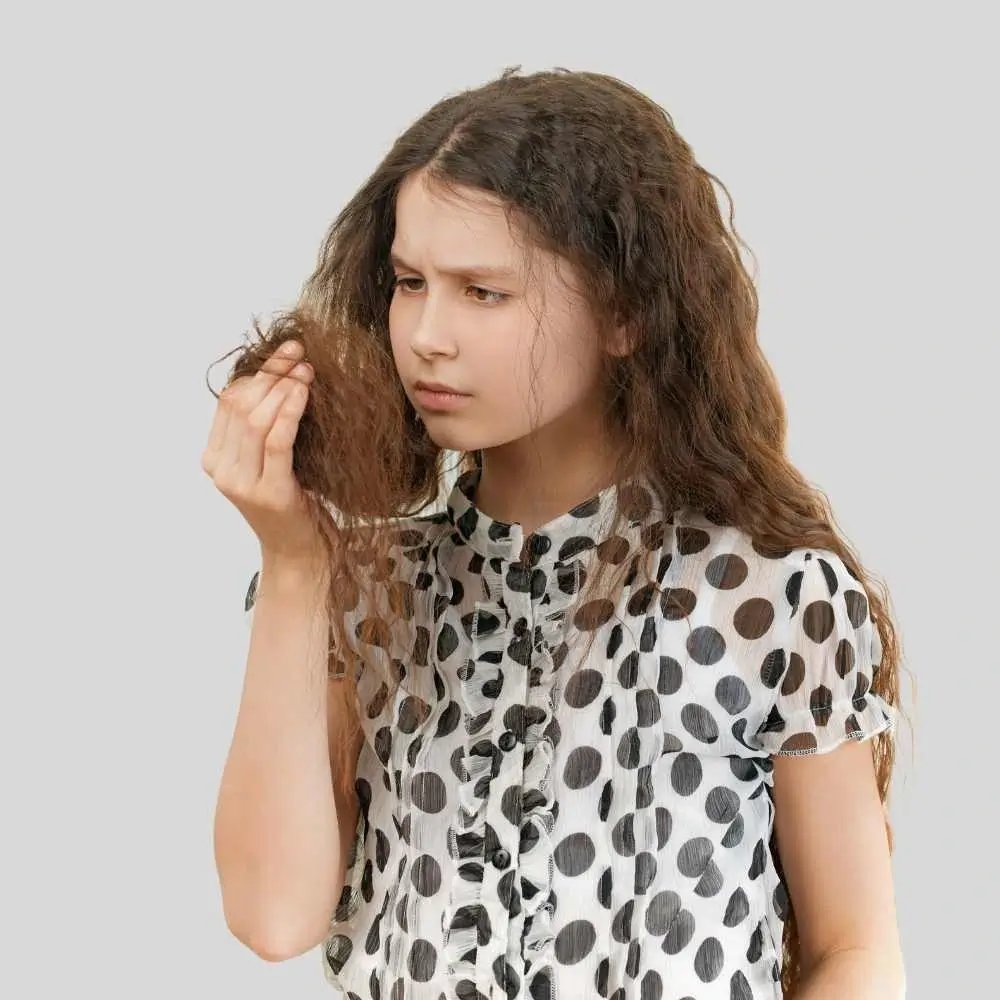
(249, 453)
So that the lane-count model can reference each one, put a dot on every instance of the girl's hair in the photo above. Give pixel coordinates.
(591, 170)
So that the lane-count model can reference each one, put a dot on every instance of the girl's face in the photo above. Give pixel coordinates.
(463, 315)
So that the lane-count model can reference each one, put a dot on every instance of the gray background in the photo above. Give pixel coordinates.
(168, 172)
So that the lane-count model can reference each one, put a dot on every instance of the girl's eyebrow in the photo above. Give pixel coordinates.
(469, 271)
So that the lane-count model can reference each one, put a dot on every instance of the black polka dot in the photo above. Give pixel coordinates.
(383, 744)
(447, 642)
(664, 826)
(449, 719)
(506, 977)
(412, 712)
(422, 961)
(621, 923)
(604, 887)
(647, 705)
(772, 668)
(575, 854)
(511, 805)
(857, 607)
(753, 617)
(652, 986)
(677, 603)
(671, 676)
(694, 856)
(645, 793)
(821, 703)
(698, 721)
(582, 687)
(661, 912)
(818, 620)
(575, 941)
(428, 792)
(732, 694)
(583, 765)
(781, 901)
(628, 749)
(685, 774)
(601, 977)
(338, 951)
(734, 835)
(691, 540)
(681, 932)
(739, 988)
(608, 713)
(645, 872)
(711, 881)
(426, 875)
(706, 645)
(737, 909)
(722, 804)
(623, 835)
(540, 988)
(633, 960)
(708, 959)
(381, 850)
(726, 572)
(604, 804)
(628, 671)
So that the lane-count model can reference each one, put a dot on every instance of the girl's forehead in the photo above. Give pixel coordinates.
(424, 212)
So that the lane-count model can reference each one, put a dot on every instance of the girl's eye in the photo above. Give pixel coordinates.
(402, 281)
(491, 296)
(497, 296)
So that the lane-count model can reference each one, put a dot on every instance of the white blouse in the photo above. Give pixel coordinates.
(538, 830)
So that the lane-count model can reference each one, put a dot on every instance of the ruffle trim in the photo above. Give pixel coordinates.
(805, 733)
(465, 923)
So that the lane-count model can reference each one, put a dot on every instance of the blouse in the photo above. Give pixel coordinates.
(532, 827)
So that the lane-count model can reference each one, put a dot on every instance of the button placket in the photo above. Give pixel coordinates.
(510, 775)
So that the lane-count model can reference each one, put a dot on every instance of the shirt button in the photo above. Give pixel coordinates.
(501, 858)
(507, 740)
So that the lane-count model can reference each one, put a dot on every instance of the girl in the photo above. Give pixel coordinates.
(618, 720)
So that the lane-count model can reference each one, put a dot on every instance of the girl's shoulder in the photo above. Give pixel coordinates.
(728, 556)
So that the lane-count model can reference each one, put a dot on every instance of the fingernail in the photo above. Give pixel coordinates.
(290, 348)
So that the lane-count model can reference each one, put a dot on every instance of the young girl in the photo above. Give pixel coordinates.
(617, 721)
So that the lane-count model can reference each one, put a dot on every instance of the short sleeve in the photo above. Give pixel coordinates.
(251, 598)
(823, 696)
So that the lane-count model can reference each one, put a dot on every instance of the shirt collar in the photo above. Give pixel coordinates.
(559, 540)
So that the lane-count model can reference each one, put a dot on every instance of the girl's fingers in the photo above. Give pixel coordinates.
(256, 428)
(276, 462)
(238, 400)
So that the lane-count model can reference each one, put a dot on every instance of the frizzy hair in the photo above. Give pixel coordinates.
(592, 171)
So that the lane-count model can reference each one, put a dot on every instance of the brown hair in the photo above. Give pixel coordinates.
(593, 171)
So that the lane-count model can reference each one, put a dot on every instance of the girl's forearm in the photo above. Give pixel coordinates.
(277, 838)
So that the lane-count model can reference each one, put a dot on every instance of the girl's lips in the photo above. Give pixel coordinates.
(442, 401)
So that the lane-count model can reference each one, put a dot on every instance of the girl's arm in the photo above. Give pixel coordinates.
(280, 846)
(830, 829)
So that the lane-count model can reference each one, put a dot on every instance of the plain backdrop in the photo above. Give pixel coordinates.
(168, 172)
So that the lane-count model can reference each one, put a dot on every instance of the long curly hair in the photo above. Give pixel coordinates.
(593, 171)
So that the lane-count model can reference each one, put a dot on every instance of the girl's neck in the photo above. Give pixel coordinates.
(518, 485)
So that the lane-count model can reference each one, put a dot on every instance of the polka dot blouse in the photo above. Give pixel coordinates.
(537, 830)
